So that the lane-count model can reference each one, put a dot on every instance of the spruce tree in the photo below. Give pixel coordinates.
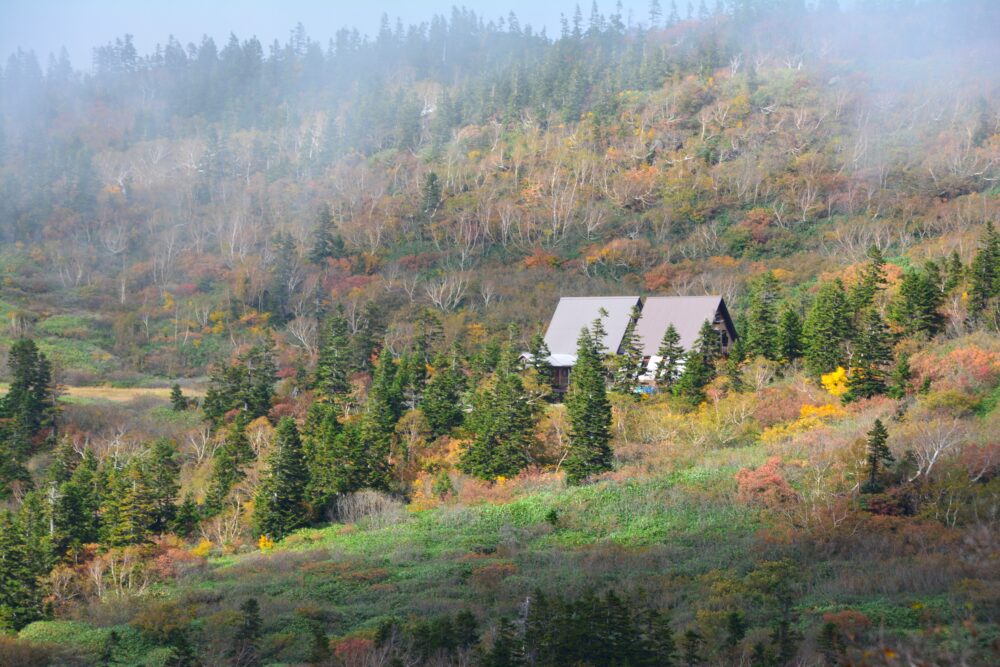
(187, 517)
(280, 503)
(691, 648)
(899, 385)
(245, 651)
(130, 505)
(327, 452)
(441, 401)
(228, 465)
(589, 411)
(326, 243)
(333, 359)
(789, 336)
(984, 275)
(954, 273)
(872, 281)
(878, 456)
(382, 411)
(177, 399)
(539, 355)
(671, 353)
(628, 362)
(826, 330)
(163, 469)
(20, 593)
(761, 331)
(503, 423)
(699, 365)
(916, 307)
(872, 355)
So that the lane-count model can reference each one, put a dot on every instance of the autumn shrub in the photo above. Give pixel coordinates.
(765, 486)
(23, 653)
(967, 364)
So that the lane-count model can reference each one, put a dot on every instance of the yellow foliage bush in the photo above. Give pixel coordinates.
(835, 382)
(828, 411)
(203, 549)
(265, 543)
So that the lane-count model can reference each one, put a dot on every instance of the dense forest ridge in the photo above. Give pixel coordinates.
(335, 256)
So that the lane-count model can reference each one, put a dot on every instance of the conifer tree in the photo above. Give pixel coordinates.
(628, 362)
(163, 469)
(178, 401)
(187, 516)
(954, 273)
(327, 451)
(826, 330)
(589, 411)
(878, 456)
(699, 365)
(245, 651)
(333, 358)
(129, 508)
(671, 353)
(540, 354)
(326, 243)
(761, 331)
(789, 336)
(441, 401)
(984, 276)
(503, 422)
(872, 281)
(916, 308)
(691, 648)
(280, 504)
(372, 442)
(20, 594)
(872, 355)
(228, 463)
(899, 385)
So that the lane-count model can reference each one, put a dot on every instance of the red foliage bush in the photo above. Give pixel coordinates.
(354, 651)
(968, 368)
(765, 486)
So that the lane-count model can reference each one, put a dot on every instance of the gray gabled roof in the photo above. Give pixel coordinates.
(576, 313)
(686, 313)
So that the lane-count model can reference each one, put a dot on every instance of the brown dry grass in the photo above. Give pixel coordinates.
(123, 394)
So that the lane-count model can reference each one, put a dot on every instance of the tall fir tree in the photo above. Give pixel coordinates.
(327, 451)
(20, 592)
(878, 456)
(372, 447)
(441, 402)
(789, 336)
(326, 243)
(916, 308)
(984, 277)
(760, 333)
(130, 505)
(333, 359)
(280, 503)
(228, 465)
(539, 355)
(503, 423)
(699, 365)
(163, 469)
(671, 353)
(178, 401)
(872, 356)
(245, 650)
(589, 410)
(827, 329)
(627, 364)
(872, 281)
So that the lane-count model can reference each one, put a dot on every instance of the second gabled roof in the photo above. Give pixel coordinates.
(576, 313)
(686, 313)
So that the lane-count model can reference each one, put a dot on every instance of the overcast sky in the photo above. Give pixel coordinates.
(47, 25)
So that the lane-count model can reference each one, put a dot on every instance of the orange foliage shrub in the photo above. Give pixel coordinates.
(354, 651)
(968, 368)
(765, 486)
(489, 577)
